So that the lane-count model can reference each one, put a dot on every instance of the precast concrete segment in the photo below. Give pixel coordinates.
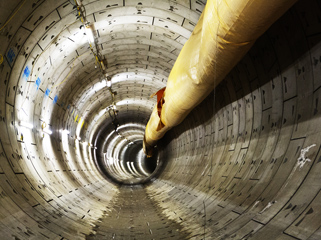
(245, 164)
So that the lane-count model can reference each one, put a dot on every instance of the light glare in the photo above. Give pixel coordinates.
(26, 124)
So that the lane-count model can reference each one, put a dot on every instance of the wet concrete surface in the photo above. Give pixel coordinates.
(133, 215)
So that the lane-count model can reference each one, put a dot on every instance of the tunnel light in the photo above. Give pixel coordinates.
(78, 138)
(100, 85)
(65, 131)
(26, 124)
(47, 130)
(89, 34)
(108, 83)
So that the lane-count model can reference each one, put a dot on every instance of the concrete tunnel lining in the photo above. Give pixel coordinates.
(245, 164)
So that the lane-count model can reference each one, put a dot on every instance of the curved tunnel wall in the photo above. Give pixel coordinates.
(243, 165)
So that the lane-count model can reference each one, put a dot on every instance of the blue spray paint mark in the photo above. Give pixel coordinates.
(68, 106)
(55, 99)
(38, 81)
(47, 92)
(26, 73)
(11, 56)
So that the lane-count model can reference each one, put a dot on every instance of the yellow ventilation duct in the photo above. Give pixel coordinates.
(226, 30)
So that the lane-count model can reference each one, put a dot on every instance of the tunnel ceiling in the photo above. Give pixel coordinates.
(244, 164)
(64, 86)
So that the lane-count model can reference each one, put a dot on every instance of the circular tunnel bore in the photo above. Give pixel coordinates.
(121, 158)
(134, 153)
(245, 164)
(119, 154)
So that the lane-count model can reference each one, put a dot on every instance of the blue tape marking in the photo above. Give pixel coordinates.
(38, 81)
(11, 56)
(47, 92)
(55, 99)
(26, 73)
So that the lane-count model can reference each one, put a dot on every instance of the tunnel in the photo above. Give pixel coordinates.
(76, 79)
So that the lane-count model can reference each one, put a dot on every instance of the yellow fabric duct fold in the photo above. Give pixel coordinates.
(226, 30)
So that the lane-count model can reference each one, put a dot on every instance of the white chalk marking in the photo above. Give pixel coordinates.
(267, 206)
(302, 159)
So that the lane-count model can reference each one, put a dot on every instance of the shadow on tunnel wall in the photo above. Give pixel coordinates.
(278, 81)
(276, 56)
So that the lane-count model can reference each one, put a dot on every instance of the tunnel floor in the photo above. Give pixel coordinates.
(124, 221)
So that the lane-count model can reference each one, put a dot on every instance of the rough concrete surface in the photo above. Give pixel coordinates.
(245, 164)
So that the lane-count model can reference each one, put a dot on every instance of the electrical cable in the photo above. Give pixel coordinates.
(12, 15)
(73, 64)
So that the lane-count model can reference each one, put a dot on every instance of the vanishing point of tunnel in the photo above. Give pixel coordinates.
(76, 79)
